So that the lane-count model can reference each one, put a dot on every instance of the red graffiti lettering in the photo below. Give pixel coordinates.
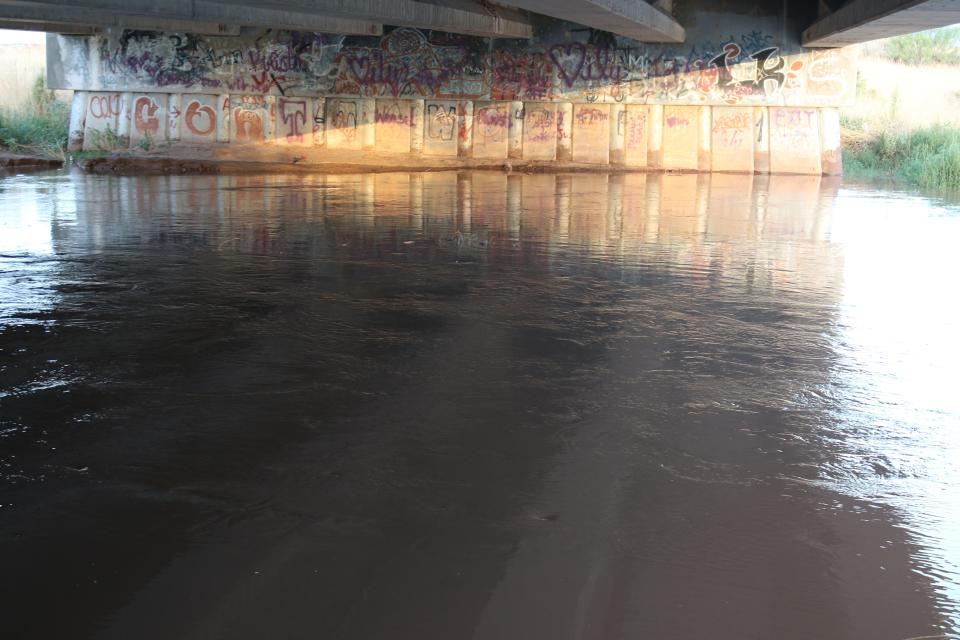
(103, 107)
(143, 115)
(200, 119)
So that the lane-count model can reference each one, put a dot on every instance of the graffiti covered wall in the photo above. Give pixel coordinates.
(733, 98)
(748, 66)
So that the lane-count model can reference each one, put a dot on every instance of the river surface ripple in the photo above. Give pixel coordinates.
(477, 405)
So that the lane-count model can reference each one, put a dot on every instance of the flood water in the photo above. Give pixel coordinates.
(442, 406)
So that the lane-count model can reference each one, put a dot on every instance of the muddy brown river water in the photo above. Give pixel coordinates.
(451, 406)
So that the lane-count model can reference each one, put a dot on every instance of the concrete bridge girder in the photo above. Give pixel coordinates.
(201, 17)
(864, 20)
(629, 18)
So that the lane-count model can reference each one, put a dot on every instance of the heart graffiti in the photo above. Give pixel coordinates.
(569, 60)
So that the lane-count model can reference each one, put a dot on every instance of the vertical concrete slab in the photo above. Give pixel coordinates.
(565, 131)
(149, 119)
(78, 115)
(223, 118)
(343, 123)
(174, 116)
(795, 140)
(393, 122)
(249, 118)
(732, 136)
(123, 119)
(441, 125)
(319, 122)
(618, 133)
(292, 121)
(368, 134)
(655, 121)
(540, 131)
(465, 129)
(515, 138)
(831, 156)
(704, 158)
(591, 133)
(681, 134)
(636, 138)
(198, 119)
(100, 127)
(491, 129)
(761, 140)
(417, 126)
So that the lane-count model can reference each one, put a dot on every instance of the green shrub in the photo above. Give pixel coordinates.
(40, 125)
(927, 157)
(939, 46)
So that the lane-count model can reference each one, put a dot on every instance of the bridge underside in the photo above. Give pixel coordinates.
(708, 85)
(864, 20)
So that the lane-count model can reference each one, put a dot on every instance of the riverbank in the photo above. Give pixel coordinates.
(905, 124)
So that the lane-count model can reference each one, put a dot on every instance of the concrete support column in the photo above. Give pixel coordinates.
(515, 132)
(173, 117)
(704, 156)
(565, 131)
(416, 126)
(465, 129)
(368, 109)
(761, 140)
(830, 150)
(123, 119)
(655, 152)
(78, 118)
(319, 126)
(618, 131)
(270, 123)
(223, 122)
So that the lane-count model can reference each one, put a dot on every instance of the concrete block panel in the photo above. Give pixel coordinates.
(491, 129)
(591, 133)
(636, 135)
(565, 131)
(539, 131)
(795, 140)
(681, 134)
(100, 128)
(393, 121)
(343, 123)
(440, 127)
(199, 118)
(732, 134)
(251, 119)
(294, 121)
(148, 118)
(618, 132)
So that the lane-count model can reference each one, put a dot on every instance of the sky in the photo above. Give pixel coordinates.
(21, 37)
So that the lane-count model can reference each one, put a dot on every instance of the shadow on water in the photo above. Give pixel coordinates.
(449, 405)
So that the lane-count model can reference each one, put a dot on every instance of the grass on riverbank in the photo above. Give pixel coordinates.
(40, 126)
(928, 157)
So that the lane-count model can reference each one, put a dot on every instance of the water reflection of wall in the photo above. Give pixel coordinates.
(695, 217)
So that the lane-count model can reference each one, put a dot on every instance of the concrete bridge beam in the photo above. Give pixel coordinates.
(863, 20)
(454, 16)
(629, 18)
(201, 17)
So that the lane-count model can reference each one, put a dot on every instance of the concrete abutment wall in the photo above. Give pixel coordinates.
(802, 140)
(739, 95)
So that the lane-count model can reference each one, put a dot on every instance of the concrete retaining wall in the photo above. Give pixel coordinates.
(739, 95)
(801, 140)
